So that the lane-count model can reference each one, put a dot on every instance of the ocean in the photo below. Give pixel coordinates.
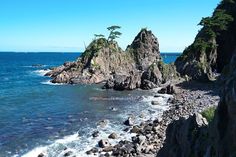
(37, 116)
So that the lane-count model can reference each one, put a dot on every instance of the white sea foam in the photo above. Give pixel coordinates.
(48, 82)
(34, 66)
(42, 72)
(36, 151)
(80, 144)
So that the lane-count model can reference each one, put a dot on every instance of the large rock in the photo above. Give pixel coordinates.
(213, 47)
(130, 121)
(186, 137)
(105, 61)
(104, 143)
(223, 132)
(145, 49)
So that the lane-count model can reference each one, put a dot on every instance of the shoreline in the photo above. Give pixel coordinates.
(148, 137)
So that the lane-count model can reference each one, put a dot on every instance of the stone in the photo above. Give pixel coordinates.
(68, 153)
(95, 134)
(103, 123)
(155, 103)
(129, 121)
(169, 89)
(113, 136)
(126, 129)
(107, 149)
(135, 129)
(92, 151)
(104, 143)
(41, 155)
(141, 139)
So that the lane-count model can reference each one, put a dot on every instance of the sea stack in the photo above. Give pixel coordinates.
(105, 61)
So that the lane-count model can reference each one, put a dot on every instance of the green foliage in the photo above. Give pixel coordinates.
(99, 36)
(209, 113)
(113, 28)
(143, 29)
(94, 47)
(114, 33)
(218, 22)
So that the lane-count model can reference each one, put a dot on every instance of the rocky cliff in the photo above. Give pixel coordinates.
(213, 46)
(105, 61)
(223, 129)
(214, 50)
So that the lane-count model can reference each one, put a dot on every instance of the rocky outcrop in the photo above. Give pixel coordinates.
(104, 61)
(213, 46)
(186, 137)
(145, 49)
(223, 131)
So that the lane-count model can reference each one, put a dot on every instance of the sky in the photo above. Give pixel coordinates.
(70, 25)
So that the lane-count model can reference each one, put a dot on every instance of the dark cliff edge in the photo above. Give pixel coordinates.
(193, 137)
(213, 46)
(139, 66)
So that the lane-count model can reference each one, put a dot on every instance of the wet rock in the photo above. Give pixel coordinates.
(104, 143)
(92, 151)
(170, 89)
(126, 129)
(113, 136)
(95, 134)
(41, 155)
(141, 139)
(155, 103)
(68, 153)
(107, 149)
(130, 121)
(135, 129)
(103, 123)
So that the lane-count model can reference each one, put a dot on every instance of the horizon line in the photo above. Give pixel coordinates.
(68, 52)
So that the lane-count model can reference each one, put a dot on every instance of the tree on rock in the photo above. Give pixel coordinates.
(99, 36)
(114, 33)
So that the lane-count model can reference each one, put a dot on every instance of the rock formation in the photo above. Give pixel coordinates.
(103, 61)
(186, 137)
(223, 130)
(213, 46)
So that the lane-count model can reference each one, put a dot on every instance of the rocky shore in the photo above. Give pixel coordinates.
(189, 99)
(204, 72)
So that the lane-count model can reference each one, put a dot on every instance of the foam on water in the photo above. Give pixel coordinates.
(41, 72)
(48, 82)
(80, 144)
(34, 66)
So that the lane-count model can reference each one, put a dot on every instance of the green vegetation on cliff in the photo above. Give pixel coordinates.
(202, 58)
(209, 113)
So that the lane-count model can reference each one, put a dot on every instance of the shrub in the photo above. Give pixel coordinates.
(209, 113)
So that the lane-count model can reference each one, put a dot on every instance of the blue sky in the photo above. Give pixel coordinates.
(68, 25)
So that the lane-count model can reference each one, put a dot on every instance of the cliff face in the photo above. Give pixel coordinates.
(223, 130)
(104, 61)
(145, 49)
(193, 137)
(186, 137)
(213, 46)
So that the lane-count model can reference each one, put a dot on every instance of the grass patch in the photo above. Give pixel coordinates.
(209, 113)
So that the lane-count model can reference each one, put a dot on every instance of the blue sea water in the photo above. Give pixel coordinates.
(35, 114)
